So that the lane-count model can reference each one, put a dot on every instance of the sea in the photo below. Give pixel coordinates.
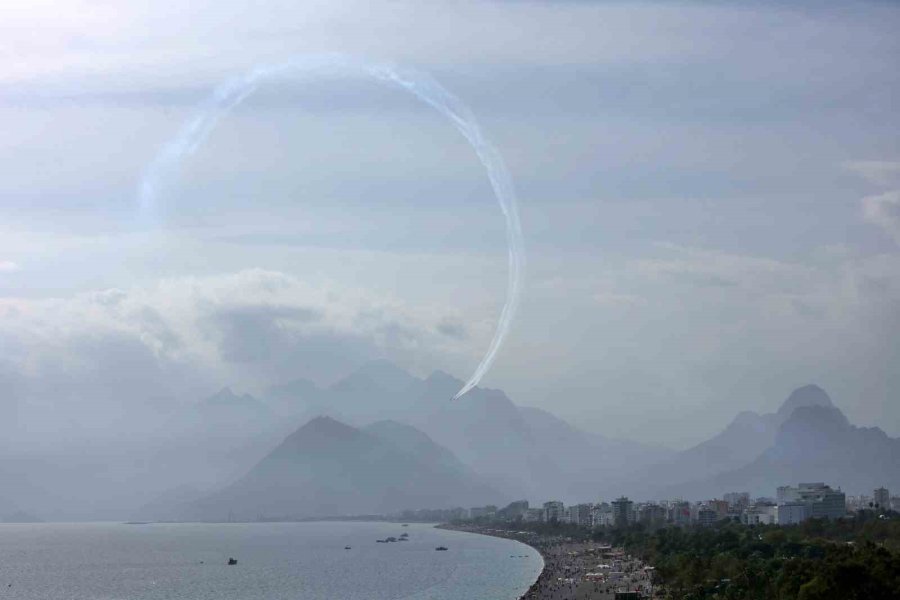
(296, 561)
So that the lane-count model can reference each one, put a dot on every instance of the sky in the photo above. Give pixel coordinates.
(710, 199)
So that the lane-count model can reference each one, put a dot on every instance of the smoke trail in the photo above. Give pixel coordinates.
(165, 167)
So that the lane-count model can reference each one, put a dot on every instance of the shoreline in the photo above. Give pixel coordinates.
(572, 570)
(497, 534)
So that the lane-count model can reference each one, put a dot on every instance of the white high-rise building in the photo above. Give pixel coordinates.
(623, 512)
(580, 514)
(882, 498)
(602, 515)
(554, 511)
(821, 501)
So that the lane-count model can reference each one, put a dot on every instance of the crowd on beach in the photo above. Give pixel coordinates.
(585, 571)
(577, 570)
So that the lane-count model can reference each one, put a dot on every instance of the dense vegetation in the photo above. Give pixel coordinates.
(816, 560)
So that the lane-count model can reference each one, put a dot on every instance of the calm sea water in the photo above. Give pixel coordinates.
(298, 561)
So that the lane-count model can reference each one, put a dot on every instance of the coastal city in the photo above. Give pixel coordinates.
(449, 300)
(580, 563)
(790, 505)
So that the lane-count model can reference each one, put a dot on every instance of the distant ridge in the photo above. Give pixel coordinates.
(816, 442)
(522, 451)
(328, 468)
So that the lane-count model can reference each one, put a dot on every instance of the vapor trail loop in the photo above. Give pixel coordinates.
(164, 169)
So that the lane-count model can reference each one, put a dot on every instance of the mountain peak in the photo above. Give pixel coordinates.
(324, 423)
(319, 432)
(443, 378)
(382, 367)
(327, 468)
(227, 399)
(378, 374)
(808, 395)
(223, 395)
(823, 417)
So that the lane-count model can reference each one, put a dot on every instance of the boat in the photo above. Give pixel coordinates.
(346, 547)
(390, 539)
(405, 525)
(441, 548)
(232, 562)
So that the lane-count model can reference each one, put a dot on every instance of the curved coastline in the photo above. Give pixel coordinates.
(534, 588)
(568, 566)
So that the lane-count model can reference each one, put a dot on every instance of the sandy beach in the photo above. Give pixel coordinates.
(575, 570)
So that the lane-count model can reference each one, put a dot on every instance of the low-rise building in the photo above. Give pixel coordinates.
(720, 506)
(514, 510)
(760, 514)
(680, 512)
(737, 501)
(533, 515)
(482, 512)
(651, 514)
(706, 516)
(791, 513)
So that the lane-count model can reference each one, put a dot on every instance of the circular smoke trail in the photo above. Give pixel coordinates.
(164, 169)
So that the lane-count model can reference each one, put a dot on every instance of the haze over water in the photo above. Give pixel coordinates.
(300, 561)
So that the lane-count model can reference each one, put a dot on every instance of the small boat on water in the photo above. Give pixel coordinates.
(441, 548)
(232, 562)
(347, 548)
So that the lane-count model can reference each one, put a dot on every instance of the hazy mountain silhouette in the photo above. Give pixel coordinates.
(295, 397)
(7, 507)
(170, 505)
(529, 452)
(523, 451)
(742, 441)
(806, 396)
(410, 440)
(327, 468)
(816, 442)
(21, 516)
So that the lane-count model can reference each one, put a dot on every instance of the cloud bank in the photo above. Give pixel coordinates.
(117, 356)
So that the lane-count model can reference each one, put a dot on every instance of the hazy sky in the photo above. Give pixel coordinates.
(710, 195)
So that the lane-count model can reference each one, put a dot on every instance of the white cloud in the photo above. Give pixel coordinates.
(118, 350)
(878, 172)
(8, 266)
(883, 210)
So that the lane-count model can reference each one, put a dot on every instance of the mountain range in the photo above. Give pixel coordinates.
(814, 443)
(429, 451)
